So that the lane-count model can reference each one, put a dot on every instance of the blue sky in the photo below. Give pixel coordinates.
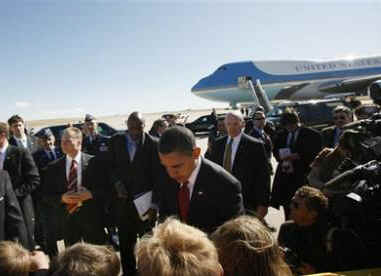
(68, 58)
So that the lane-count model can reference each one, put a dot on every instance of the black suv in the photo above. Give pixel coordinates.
(57, 130)
(312, 113)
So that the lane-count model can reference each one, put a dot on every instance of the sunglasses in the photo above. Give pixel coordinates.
(259, 119)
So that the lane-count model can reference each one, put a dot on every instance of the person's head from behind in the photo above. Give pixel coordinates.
(308, 206)
(83, 259)
(16, 125)
(178, 152)
(176, 249)
(246, 247)
(290, 119)
(342, 115)
(14, 259)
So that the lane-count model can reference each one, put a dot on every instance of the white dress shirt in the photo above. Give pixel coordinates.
(3, 150)
(192, 178)
(79, 168)
(21, 142)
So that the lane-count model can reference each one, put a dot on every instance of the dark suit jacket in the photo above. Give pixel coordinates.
(55, 182)
(250, 167)
(139, 175)
(32, 144)
(307, 145)
(12, 226)
(216, 197)
(25, 180)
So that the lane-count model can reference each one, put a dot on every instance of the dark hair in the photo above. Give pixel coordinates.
(15, 119)
(177, 139)
(158, 123)
(314, 199)
(290, 116)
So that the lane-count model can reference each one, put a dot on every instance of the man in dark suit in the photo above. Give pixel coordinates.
(294, 149)
(42, 157)
(200, 192)
(12, 226)
(94, 143)
(246, 159)
(342, 115)
(71, 188)
(19, 164)
(19, 136)
(135, 164)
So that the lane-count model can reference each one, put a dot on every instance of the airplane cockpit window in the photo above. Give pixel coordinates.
(221, 68)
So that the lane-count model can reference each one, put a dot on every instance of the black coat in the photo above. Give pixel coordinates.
(32, 144)
(12, 226)
(99, 144)
(87, 222)
(25, 180)
(250, 167)
(307, 145)
(216, 197)
(139, 175)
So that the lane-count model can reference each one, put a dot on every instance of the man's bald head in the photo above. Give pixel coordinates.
(135, 125)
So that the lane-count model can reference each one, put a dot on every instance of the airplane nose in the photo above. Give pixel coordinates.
(200, 85)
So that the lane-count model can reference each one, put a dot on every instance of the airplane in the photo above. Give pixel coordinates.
(291, 80)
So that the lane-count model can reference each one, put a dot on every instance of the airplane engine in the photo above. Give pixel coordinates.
(375, 92)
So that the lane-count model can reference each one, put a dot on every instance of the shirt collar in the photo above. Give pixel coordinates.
(76, 158)
(236, 139)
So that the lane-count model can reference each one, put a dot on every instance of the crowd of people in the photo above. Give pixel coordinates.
(202, 216)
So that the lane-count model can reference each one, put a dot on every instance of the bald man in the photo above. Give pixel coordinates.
(135, 166)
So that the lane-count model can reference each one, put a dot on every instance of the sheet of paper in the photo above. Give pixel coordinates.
(143, 203)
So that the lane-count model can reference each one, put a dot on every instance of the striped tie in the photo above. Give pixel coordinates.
(73, 177)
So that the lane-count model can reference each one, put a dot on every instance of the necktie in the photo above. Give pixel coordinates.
(51, 155)
(183, 198)
(228, 156)
(73, 176)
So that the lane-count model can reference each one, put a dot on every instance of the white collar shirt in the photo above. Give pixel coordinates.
(3, 151)
(79, 168)
(235, 144)
(193, 177)
(22, 142)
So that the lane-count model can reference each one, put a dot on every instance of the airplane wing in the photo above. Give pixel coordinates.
(348, 85)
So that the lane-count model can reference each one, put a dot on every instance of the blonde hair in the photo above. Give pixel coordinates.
(14, 259)
(86, 259)
(72, 132)
(176, 249)
(246, 247)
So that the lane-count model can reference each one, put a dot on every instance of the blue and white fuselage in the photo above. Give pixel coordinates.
(294, 80)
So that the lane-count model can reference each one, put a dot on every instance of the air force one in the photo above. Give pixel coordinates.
(292, 80)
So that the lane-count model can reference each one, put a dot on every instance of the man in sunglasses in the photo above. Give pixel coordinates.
(342, 115)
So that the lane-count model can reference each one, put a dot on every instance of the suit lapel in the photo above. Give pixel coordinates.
(240, 149)
(197, 189)
(221, 152)
(10, 158)
(62, 171)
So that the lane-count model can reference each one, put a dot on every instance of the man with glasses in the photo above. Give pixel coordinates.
(342, 115)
